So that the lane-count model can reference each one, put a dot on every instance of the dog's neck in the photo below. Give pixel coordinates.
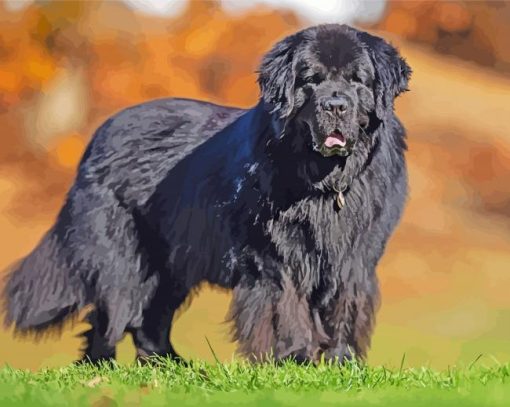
(287, 168)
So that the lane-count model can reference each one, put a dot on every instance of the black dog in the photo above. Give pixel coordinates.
(290, 204)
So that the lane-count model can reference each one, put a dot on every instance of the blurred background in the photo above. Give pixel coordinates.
(66, 66)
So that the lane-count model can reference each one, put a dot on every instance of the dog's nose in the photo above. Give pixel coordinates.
(337, 104)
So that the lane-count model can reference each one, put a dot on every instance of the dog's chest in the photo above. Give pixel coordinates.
(314, 236)
(306, 237)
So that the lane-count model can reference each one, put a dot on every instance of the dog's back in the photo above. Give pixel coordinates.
(132, 152)
(92, 251)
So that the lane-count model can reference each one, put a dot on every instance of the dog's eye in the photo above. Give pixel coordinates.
(315, 79)
(356, 78)
(308, 80)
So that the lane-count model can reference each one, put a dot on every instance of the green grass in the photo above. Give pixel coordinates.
(239, 383)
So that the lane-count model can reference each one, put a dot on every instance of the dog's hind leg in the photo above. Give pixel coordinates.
(109, 320)
(97, 348)
(152, 337)
(114, 272)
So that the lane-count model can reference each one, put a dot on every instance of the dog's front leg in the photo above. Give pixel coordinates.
(273, 320)
(298, 333)
(349, 320)
(252, 313)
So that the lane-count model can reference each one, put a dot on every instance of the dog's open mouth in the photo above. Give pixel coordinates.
(335, 139)
(335, 144)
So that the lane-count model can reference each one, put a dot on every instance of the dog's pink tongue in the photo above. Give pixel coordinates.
(335, 139)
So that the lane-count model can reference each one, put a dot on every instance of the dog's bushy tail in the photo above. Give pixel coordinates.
(41, 290)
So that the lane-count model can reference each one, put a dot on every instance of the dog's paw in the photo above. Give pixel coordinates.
(339, 354)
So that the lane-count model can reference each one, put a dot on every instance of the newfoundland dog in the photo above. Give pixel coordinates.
(289, 204)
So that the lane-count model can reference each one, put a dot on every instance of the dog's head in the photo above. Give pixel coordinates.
(335, 79)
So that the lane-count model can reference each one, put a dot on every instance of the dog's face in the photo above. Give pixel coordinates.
(335, 80)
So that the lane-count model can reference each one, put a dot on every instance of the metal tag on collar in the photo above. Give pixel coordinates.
(340, 199)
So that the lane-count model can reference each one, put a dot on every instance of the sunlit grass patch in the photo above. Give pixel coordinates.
(164, 382)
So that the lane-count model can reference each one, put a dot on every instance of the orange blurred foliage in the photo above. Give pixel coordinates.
(473, 30)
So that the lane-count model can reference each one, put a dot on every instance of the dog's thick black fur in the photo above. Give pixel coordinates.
(290, 204)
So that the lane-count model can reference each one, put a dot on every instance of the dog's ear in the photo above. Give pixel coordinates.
(277, 76)
(391, 72)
